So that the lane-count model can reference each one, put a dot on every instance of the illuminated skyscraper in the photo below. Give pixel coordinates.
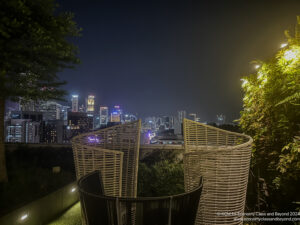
(103, 115)
(115, 116)
(74, 103)
(90, 104)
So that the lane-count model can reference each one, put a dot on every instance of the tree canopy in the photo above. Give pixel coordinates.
(34, 46)
(271, 116)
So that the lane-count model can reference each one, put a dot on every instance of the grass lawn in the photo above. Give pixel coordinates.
(71, 217)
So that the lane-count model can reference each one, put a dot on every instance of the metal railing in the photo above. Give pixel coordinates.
(99, 208)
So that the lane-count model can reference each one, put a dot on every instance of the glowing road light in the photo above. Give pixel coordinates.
(73, 189)
(24, 217)
(256, 66)
(283, 45)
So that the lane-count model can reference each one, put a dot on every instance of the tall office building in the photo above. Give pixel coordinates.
(79, 122)
(181, 115)
(103, 115)
(22, 130)
(115, 117)
(64, 114)
(28, 106)
(129, 118)
(90, 104)
(51, 110)
(168, 122)
(116, 114)
(74, 103)
(53, 131)
(81, 108)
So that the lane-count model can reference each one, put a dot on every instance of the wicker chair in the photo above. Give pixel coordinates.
(115, 152)
(222, 158)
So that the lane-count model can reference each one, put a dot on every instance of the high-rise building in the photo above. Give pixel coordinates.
(74, 103)
(22, 130)
(51, 110)
(181, 115)
(53, 131)
(103, 116)
(127, 118)
(33, 116)
(28, 106)
(64, 114)
(79, 122)
(168, 122)
(116, 115)
(90, 104)
(82, 108)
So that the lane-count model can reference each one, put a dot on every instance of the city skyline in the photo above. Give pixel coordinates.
(157, 58)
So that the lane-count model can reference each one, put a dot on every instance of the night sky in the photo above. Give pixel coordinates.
(157, 57)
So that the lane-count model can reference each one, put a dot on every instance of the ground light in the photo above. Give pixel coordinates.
(73, 189)
(256, 66)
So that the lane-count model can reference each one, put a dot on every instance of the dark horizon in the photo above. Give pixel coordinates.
(156, 58)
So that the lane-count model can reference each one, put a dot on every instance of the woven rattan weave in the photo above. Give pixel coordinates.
(222, 158)
(115, 152)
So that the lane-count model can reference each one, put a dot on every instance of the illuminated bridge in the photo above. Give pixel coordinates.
(220, 157)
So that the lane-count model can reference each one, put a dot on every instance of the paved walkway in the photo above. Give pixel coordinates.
(70, 217)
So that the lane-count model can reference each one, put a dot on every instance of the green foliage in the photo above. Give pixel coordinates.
(271, 116)
(34, 46)
(160, 174)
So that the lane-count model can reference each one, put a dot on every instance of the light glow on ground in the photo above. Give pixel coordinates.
(71, 217)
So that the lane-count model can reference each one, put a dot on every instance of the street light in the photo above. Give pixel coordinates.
(256, 66)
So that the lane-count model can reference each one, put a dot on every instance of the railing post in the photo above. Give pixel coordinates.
(118, 211)
(170, 212)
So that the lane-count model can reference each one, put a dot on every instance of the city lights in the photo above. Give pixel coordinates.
(24, 217)
(93, 139)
